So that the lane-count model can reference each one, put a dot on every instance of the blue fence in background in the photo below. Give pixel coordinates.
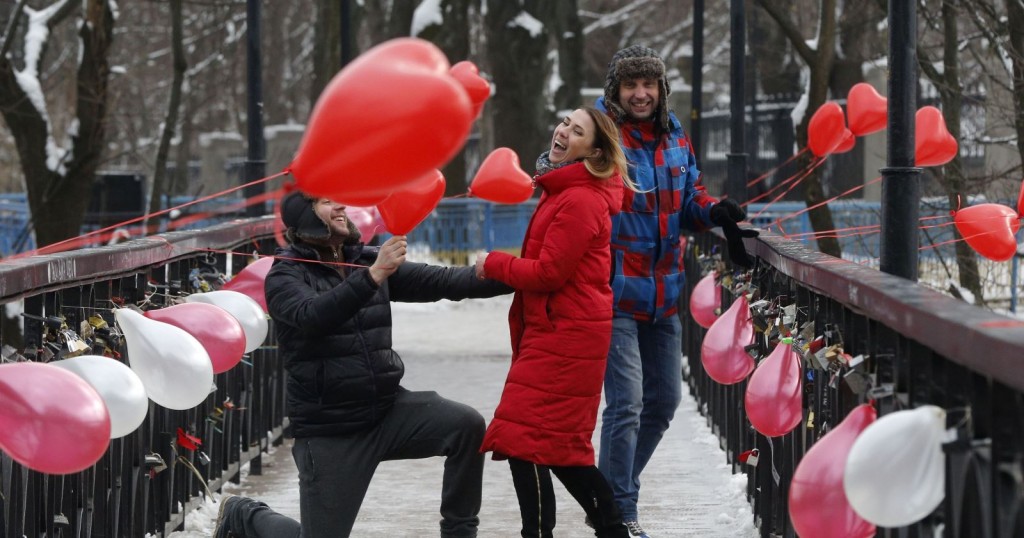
(463, 225)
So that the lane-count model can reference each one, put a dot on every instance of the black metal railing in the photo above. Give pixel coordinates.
(146, 482)
(921, 347)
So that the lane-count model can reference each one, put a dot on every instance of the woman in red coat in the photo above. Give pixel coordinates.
(561, 323)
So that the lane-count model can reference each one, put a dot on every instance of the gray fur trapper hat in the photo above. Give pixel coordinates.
(636, 61)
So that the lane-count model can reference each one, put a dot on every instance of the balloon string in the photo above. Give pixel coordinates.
(794, 182)
(196, 472)
(765, 175)
(795, 177)
(75, 242)
(819, 204)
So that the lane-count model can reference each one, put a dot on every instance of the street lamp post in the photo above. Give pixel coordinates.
(736, 184)
(255, 163)
(901, 180)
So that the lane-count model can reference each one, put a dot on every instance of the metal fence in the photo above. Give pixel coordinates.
(146, 482)
(920, 347)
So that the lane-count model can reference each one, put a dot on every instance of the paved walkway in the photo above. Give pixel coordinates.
(461, 350)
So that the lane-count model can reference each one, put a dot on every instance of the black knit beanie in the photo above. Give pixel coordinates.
(300, 219)
(636, 61)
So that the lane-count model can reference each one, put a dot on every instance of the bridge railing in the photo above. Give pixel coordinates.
(147, 481)
(921, 347)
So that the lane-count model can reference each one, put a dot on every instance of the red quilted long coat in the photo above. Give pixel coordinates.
(560, 322)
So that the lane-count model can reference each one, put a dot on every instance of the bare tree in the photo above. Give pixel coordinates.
(517, 44)
(58, 180)
(179, 66)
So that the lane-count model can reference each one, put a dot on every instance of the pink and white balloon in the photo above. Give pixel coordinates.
(895, 474)
(248, 313)
(173, 366)
(52, 421)
(121, 389)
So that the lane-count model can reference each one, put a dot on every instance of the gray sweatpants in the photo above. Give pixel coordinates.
(335, 472)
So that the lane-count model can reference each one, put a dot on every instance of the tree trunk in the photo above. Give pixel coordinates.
(326, 45)
(569, 35)
(516, 54)
(180, 65)
(452, 37)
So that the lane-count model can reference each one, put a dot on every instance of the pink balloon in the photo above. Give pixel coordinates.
(705, 300)
(774, 399)
(818, 505)
(250, 280)
(722, 352)
(220, 334)
(53, 421)
(366, 219)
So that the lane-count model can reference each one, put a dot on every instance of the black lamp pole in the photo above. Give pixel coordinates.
(697, 82)
(901, 180)
(256, 160)
(736, 184)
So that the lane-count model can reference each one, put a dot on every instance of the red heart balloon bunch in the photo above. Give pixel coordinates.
(390, 116)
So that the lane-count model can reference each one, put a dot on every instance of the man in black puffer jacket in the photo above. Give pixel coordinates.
(329, 296)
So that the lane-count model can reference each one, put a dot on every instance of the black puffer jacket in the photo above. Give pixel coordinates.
(334, 332)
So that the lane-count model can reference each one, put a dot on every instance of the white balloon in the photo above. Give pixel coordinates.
(248, 312)
(173, 366)
(895, 473)
(119, 387)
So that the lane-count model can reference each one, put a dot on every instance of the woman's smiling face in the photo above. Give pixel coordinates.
(573, 138)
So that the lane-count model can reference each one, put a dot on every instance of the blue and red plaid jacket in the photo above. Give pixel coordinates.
(647, 262)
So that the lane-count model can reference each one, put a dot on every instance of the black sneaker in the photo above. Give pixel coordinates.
(220, 530)
(635, 530)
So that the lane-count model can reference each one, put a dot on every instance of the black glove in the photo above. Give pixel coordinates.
(726, 214)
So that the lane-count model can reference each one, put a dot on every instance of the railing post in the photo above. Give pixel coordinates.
(901, 180)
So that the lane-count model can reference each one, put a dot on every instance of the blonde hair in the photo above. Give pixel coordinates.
(610, 159)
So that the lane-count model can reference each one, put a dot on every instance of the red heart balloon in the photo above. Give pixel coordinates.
(405, 209)
(721, 351)
(219, 332)
(53, 421)
(386, 119)
(818, 505)
(250, 280)
(774, 398)
(706, 300)
(933, 146)
(500, 179)
(476, 86)
(990, 229)
(866, 111)
(826, 129)
(847, 143)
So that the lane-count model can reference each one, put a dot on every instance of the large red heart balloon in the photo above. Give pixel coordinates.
(847, 143)
(818, 505)
(706, 300)
(500, 179)
(220, 334)
(52, 421)
(476, 86)
(866, 111)
(933, 145)
(990, 229)
(721, 351)
(390, 116)
(405, 209)
(826, 129)
(774, 398)
(250, 280)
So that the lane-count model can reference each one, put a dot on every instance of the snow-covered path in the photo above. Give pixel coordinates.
(461, 350)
